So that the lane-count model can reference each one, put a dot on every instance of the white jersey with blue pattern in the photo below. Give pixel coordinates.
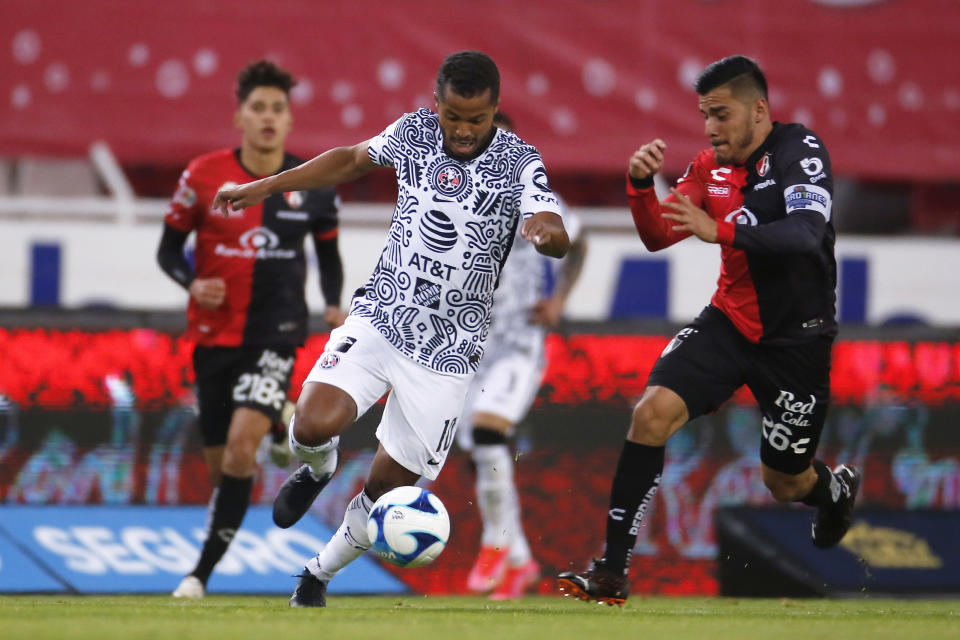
(523, 283)
(432, 290)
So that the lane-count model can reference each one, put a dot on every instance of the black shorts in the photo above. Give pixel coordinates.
(232, 377)
(708, 360)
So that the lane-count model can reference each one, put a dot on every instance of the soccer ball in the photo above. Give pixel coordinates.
(408, 527)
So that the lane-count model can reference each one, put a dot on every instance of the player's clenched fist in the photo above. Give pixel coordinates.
(647, 160)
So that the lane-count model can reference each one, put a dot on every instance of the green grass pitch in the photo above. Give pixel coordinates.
(463, 618)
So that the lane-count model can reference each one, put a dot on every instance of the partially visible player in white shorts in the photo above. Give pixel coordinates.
(506, 385)
(420, 417)
(500, 396)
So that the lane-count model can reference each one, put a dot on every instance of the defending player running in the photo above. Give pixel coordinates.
(247, 311)
(763, 191)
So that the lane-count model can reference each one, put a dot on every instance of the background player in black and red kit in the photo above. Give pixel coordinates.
(247, 309)
(763, 192)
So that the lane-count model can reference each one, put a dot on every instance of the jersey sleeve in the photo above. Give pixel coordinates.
(383, 149)
(803, 166)
(535, 192)
(185, 209)
(806, 175)
(655, 231)
(324, 222)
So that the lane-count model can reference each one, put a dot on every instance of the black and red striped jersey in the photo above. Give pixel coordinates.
(258, 251)
(778, 272)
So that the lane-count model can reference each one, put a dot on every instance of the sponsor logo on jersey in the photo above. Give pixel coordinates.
(763, 185)
(258, 243)
(328, 360)
(763, 165)
(185, 196)
(807, 196)
(431, 266)
(813, 167)
(718, 190)
(301, 216)
(427, 294)
(449, 178)
(437, 231)
(742, 216)
(811, 142)
(295, 198)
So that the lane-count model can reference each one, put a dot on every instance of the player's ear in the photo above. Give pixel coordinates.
(236, 119)
(760, 109)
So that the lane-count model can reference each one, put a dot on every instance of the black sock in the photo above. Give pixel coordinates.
(227, 508)
(634, 485)
(821, 493)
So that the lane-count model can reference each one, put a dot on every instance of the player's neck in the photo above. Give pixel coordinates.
(261, 163)
(760, 135)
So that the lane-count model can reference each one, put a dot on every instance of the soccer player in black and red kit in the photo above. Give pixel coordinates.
(247, 310)
(763, 192)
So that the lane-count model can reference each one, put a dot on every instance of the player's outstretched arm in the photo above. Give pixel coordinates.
(333, 167)
(545, 230)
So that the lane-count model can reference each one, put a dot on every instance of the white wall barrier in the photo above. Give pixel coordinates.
(77, 264)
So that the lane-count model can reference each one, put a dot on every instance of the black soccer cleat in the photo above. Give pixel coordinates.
(310, 592)
(597, 584)
(296, 495)
(833, 520)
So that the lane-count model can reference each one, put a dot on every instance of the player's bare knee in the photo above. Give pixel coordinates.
(240, 457)
(648, 426)
(313, 425)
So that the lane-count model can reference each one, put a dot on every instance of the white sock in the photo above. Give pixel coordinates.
(348, 543)
(519, 553)
(496, 495)
(319, 458)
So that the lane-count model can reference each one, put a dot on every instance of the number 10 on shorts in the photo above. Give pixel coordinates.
(446, 438)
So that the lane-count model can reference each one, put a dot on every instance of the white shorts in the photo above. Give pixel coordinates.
(506, 385)
(422, 411)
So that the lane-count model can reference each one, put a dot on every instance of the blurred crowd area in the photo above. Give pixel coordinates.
(158, 95)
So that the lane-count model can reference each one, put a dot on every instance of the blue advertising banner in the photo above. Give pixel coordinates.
(21, 574)
(149, 549)
(884, 552)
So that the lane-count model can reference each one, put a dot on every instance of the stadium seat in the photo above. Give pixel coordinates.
(37, 176)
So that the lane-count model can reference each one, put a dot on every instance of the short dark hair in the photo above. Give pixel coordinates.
(503, 121)
(740, 72)
(262, 73)
(469, 74)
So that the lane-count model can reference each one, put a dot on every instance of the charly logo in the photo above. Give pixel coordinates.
(449, 178)
(437, 231)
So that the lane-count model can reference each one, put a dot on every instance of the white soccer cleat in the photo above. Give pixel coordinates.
(190, 589)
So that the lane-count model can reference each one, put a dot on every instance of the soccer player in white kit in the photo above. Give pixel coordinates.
(417, 328)
(500, 396)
